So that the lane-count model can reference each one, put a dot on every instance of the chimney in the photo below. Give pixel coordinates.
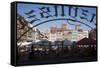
(77, 26)
(64, 27)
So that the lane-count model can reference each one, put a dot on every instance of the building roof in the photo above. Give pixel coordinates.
(67, 42)
(43, 42)
(86, 41)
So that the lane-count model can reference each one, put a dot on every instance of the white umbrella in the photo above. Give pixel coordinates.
(24, 43)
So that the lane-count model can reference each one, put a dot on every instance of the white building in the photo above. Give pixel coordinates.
(65, 33)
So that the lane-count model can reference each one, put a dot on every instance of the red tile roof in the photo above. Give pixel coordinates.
(86, 41)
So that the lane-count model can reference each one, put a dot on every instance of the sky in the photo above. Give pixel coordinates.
(23, 8)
